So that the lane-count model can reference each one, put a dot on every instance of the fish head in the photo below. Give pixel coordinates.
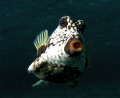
(69, 34)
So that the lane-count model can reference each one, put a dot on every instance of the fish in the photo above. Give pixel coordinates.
(62, 57)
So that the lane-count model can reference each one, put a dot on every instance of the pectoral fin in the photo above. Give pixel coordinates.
(41, 42)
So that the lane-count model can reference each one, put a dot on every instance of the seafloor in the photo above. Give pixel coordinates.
(22, 20)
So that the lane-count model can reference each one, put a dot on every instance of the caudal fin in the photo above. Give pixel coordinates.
(88, 51)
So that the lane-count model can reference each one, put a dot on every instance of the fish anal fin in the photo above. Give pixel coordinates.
(40, 84)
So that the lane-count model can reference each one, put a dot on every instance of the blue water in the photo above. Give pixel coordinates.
(22, 20)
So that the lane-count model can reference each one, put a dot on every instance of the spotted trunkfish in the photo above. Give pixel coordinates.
(62, 57)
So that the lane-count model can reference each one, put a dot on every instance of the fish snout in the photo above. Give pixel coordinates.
(74, 47)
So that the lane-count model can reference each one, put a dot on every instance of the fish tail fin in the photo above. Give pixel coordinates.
(88, 51)
(41, 39)
(40, 84)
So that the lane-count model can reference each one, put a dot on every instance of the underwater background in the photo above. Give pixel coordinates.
(22, 20)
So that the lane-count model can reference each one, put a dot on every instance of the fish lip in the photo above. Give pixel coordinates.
(76, 45)
(71, 49)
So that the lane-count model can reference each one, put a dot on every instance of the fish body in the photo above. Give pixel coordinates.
(61, 57)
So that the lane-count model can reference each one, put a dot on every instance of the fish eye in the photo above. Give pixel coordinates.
(63, 22)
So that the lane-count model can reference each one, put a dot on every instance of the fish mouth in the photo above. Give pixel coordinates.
(74, 47)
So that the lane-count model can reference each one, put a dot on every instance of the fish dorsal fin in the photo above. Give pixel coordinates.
(41, 42)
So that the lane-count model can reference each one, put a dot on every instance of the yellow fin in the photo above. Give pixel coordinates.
(88, 51)
(41, 39)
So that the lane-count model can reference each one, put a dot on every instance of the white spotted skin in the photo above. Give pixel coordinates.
(55, 53)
